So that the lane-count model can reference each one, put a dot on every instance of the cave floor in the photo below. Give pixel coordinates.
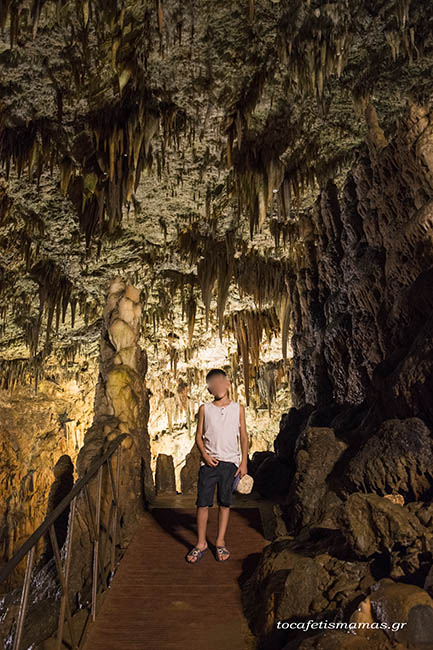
(253, 500)
(158, 601)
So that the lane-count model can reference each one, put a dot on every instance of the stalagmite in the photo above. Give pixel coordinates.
(121, 405)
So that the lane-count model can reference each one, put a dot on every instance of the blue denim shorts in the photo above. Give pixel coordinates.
(221, 475)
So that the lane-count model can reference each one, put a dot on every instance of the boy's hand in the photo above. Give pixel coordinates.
(210, 460)
(242, 469)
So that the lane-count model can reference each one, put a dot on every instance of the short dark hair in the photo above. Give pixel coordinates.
(215, 371)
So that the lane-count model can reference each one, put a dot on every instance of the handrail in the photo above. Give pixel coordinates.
(48, 525)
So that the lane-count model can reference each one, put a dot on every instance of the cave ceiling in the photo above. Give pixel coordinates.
(178, 144)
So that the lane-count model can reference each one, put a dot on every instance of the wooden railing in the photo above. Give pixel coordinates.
(28, 548)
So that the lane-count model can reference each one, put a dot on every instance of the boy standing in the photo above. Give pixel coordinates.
(220, 424)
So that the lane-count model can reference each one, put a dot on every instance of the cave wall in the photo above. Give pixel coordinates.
(352, 468)
(121, 406)
(361, 290)
(35, 431)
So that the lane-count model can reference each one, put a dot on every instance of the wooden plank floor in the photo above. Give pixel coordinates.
(157, 601)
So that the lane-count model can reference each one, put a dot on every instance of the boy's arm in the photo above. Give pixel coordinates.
(244, 441)
(209, 460)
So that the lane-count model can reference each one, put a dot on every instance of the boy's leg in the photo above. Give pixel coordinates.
(207, 478)
(202, 517)
(224, 498)
(223, 520)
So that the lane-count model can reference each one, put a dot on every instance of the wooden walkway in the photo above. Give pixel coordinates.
(157, 601)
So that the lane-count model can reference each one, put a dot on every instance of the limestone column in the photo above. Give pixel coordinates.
(121, 406)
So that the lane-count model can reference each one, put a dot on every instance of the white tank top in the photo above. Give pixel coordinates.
(221, 432)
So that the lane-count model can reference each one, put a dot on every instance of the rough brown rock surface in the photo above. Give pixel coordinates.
(361, 293)
(359, 436)
(399, 457)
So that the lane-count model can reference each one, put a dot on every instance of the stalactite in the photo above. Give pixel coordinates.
(237, 115)
(122, 152)
(229, 153)
(263, 279)
(191, 309)
(69, 352)
(248, 327)
(270, 377)
(284, 317)
(23, 372)
(225, 270)
(31, 147)
(54, 296)
(234, 365)
(85, 10)
(121, 134)
(169, 408)
(256, 188)
(5, 205)
(320, 45)
(256, 180)
(13, 9)
(241, 337)
(207, 274)
(286, 229)
(174, 357)
(402, 33)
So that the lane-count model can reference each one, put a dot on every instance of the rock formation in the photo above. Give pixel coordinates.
(35, 432)
(121, 407)
(358, 442)
(164, 477)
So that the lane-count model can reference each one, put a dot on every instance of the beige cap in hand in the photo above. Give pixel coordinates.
(245, 485)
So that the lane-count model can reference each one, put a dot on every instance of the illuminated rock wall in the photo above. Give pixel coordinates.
(35, 431)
